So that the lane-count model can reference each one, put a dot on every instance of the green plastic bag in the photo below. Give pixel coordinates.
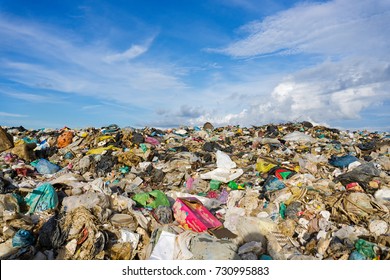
(282, 210)
(214, 185)
(124, 169)
(34, 163)
(42, 198)
(152, 199)
(365, 248)
(143, 147)
(234, 186)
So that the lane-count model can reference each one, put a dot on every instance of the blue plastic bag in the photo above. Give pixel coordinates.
(342, 161)
(42, 198)
(69, 155)
(46, 167)
(355, 255)
(23, 238)
(265, 258)
(273, 184)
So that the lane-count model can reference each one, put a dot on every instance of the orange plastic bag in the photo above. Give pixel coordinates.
(64, 139)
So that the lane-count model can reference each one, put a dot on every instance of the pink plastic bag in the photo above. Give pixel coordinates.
(152, 141)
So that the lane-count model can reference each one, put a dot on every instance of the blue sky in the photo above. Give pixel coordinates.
(172, 63)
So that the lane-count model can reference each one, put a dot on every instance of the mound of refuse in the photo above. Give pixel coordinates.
(290, 191)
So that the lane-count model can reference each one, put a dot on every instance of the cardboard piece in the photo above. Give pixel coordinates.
(191, 214)
(222, 233)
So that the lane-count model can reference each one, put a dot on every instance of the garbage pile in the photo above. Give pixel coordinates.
(290, 191)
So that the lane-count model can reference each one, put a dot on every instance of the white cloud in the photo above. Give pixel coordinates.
(131, 53)
(326, 93)
(91, 107)
(33, 98)
(350, 41)
(5, 114)
(253, 6)
(334, 28)
(221, 120)
(52, 58)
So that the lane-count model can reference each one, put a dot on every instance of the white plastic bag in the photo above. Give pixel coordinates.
(225, 171)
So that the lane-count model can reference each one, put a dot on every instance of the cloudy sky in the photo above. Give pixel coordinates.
(171, 63)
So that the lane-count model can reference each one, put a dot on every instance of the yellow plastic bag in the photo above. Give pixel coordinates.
(263, 166)
(101, 138)
(100, 150)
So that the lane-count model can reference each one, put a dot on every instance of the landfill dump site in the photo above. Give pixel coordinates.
(292, 191)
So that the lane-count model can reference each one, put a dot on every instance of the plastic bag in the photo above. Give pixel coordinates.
(282, 173)
(214, 184)
(100, 150)
(224, 161)
(361, 174)
(46, 167)
(65, 139)
(23, 238)
(225, 171)
(251, 247)
(342, 161)
(206, 247)
(365, 248)
(42, 198)
(51, 236)
(151, 199)
(163, 214)
(152, 141)
(88, 200)
(383, 195)
(263, 166)
(355, 255)
(297, 136)
(273, 184)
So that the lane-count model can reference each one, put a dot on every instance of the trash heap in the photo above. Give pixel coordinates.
(290, 191)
